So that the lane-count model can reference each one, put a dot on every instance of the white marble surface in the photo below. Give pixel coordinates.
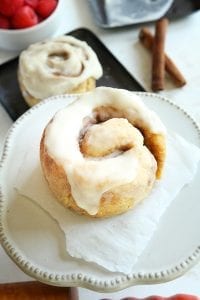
(183, 44)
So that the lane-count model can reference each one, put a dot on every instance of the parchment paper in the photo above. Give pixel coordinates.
(114, 243)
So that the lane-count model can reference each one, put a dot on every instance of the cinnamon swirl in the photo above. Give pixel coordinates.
(57, 66)
(102, 154)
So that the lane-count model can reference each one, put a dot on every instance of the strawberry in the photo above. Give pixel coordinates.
(31, 3)
(183, 297)
(24, 17)
(9, 7)
(174, 297)
(4, 22)
(46, 7)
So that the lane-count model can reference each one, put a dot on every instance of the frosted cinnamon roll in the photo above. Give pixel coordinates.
(57, 66)
(102, 154)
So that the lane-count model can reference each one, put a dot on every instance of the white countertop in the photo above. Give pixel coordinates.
(123, 44)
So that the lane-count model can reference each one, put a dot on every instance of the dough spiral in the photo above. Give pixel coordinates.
(101, 154)
(57, 66)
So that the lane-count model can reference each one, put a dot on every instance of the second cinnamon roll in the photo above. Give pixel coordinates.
(57, 66)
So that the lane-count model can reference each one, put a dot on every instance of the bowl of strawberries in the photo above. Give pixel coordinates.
(23, 22)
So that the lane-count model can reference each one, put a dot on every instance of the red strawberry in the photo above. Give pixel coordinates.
(183, 297)
(9, 7)
(4, 22)
(40, 19)
(24, 17)
(31, 3)
(174, 297)
(46, 7)
(147, 298)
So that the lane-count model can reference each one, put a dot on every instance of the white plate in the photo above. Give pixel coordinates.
(36, 244)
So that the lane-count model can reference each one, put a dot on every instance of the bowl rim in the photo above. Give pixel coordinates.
(34, 27)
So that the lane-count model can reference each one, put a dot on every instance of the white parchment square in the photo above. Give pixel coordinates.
(114, 243)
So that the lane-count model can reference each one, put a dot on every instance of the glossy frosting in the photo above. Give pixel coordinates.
(57, 66)
(89, 176)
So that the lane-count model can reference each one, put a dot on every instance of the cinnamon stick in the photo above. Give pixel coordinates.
(158, 59)
(147, 39)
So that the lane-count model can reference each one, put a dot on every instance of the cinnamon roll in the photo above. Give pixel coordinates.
(102, 154)
(57, 66)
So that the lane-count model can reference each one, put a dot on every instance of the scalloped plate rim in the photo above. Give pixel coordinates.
(79, 279)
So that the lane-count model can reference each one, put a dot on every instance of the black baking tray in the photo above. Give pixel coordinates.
(114, 75)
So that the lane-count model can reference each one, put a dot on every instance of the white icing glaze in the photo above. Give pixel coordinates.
(115, 134)
(57, 66)
(90, 178)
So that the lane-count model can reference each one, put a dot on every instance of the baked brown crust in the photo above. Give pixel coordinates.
(113, 202)
(85, 86)
(157, 145)
(102, 132)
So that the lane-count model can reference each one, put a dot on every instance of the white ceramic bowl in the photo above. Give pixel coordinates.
(19, 39)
